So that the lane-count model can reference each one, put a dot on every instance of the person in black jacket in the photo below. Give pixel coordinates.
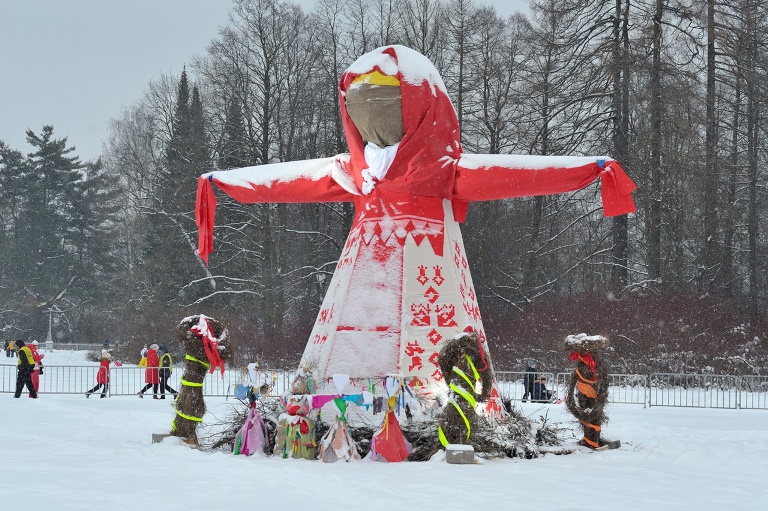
(528, 379)
(166, 367)
(25, 363)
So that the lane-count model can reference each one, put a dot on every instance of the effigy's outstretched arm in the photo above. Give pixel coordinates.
(483, 177)
(319, 180)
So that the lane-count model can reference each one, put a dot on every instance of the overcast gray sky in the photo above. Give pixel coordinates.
(75, 64)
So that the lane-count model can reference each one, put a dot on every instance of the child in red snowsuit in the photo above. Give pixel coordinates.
(102, 377)
(38, 369)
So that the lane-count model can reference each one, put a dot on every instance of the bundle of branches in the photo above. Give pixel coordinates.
(469, 379)
(226, 430)
(361, 434)
(587, 391)
(511, 437)
(422, 435)
(190, 404)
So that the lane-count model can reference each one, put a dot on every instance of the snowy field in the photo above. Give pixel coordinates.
(67, 452)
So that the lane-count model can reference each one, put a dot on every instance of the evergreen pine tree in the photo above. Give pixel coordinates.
(47, 262)
(12, 168)
(170, 261)
(179, 165)
(200, 157)
(234, 147)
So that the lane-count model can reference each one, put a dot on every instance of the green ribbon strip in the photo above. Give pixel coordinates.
(463, 393)
(441, 435)
(474, 370)
(193, 359)
(189, 417)
(190, 383)
(466, 378)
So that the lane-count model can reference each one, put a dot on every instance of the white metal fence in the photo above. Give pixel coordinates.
(660, 389)
(126, 381)
(708, 391)
(657, 389)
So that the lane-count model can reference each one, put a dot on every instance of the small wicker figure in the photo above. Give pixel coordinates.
(587, 391)
(470, 379)
(204, 341)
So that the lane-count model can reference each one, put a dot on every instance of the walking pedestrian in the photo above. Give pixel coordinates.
(24, 365)
(102, 376)
(151, 375)
(166, 368)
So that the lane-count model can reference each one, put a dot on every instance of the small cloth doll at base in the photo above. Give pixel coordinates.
(252, 436)
(296, 431)
(388, 443)
(338, 444)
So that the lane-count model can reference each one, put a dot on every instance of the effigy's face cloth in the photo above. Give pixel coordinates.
(376, 111)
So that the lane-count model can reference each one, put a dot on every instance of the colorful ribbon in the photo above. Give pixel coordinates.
(210, 342)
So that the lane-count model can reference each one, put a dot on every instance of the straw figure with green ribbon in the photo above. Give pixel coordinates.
(204, 341)
(470, 380)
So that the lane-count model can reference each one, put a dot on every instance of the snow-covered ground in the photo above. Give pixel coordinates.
(67, 452)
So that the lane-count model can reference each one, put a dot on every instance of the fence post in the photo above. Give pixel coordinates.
(648, 388)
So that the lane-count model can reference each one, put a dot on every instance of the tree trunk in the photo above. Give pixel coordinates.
(708, 248)
(654, 215)
(619, 268)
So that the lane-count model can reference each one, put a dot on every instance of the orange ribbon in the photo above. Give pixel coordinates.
(585, 380)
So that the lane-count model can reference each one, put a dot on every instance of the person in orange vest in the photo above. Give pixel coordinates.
(25, 364)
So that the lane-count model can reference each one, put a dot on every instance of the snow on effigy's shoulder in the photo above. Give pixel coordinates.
(526, 161)
(574, 340)
(414, 67)
(266, 175)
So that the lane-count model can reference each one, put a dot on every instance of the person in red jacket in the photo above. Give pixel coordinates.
(152, 377)
(102, 377)
(38, 369)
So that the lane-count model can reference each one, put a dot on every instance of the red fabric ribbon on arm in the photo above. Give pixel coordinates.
(616, 190)
(205, 214)
(210, 343)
